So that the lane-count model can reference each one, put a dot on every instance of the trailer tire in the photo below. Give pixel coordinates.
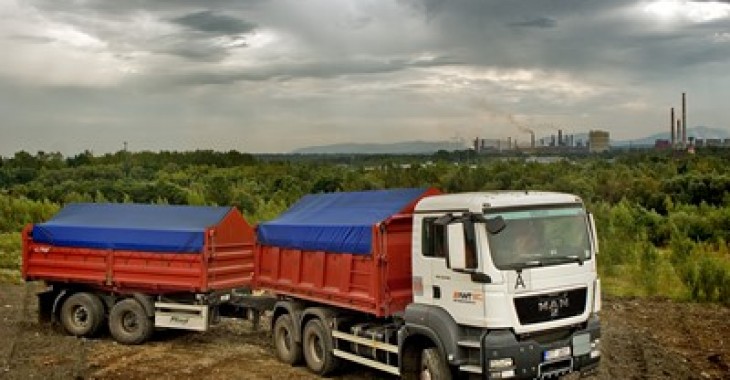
(288, 350)
(128, 322)
(317, 346)
(82, 314)
(433, 366)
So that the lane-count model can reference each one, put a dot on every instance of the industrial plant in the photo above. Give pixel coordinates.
(678, 134)
(595, 142)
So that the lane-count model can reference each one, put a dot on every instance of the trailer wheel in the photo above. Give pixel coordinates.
(82, 314)
(128, 322)
(433, 366)
(287, 349)
(318, 349)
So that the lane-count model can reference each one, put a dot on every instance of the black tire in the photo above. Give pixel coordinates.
(317, 347)
(128, 322)
(288, 350)
(82, 314)
(433, 366)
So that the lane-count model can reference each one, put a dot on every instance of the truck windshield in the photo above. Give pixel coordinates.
(540, 237)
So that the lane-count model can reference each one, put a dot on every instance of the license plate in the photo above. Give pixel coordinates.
(556, 353)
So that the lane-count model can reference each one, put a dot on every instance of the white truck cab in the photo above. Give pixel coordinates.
(506, 282)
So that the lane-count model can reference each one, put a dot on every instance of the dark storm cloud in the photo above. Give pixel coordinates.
(114, 7)
(210, 22)
(321, 70)
(540, 22)
(234, 66)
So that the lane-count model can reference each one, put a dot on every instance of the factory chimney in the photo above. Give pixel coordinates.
(560, 137)
(532, 139)
(671, 127)
(679, 133)
(684, 119)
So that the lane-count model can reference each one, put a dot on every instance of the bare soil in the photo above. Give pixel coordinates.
(642, 339)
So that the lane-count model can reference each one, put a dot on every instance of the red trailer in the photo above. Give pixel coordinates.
(169, 262)
(368, 270)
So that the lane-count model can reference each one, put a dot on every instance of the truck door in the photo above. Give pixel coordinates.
(451, 290)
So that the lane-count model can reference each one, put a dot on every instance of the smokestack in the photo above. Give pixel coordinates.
(671, 126)
(684, 119)
(560, 137)
(679, 131)
(532, 139)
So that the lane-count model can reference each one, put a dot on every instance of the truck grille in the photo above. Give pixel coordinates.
(552, 306)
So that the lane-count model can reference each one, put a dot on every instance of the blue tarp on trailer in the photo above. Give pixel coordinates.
(137, 227)
(336, 222)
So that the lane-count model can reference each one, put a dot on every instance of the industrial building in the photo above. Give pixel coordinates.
(560, 143)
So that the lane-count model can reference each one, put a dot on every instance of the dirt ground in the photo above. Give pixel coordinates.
(642, 339)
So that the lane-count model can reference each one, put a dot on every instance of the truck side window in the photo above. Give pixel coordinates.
(433, 241)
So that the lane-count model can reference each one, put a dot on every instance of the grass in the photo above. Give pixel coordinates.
(10, 257)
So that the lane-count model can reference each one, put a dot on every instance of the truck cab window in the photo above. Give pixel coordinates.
(433, 239)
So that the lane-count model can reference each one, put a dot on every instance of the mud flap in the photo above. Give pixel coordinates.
(46, 303)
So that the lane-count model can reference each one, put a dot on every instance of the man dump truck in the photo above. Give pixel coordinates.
(408, 281)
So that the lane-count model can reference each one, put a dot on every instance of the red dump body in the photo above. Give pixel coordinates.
(225, 262)
(378, 283)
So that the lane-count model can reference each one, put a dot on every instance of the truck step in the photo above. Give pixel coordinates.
(469, 343)
(471, 368)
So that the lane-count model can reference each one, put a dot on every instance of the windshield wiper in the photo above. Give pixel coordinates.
(564, 259)
(523, 265)
(546, 261)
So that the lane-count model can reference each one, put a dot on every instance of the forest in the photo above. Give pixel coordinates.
(663, 218)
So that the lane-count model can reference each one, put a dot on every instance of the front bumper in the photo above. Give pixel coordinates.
(530, 358)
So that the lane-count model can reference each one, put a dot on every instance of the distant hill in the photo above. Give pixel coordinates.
(404, 147)
(700, 132)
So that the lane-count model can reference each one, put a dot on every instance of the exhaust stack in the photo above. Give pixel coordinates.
(684, 119)
(671, 127)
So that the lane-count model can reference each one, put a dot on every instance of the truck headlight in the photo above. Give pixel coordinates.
(501, 363)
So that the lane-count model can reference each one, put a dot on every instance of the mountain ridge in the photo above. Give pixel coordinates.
(426, 147)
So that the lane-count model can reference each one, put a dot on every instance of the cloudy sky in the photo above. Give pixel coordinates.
(275, 75)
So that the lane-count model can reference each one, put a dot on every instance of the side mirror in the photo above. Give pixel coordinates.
(456, 245)
(594, 233)
(461, 245)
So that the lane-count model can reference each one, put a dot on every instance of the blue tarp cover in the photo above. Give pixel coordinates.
(126, 226)
(335, 222)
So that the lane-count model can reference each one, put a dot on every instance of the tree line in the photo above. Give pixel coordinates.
(663, 220)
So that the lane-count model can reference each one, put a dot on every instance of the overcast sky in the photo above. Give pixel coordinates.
(272, 76)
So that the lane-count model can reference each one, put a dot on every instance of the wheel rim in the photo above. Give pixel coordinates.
(285, 338)
(129, 322)
(316, 348)
(80, 316)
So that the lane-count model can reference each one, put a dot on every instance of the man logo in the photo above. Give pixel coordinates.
(553, 305)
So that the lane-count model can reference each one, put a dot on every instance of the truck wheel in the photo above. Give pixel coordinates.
(82, 314)
(433, 366)
(318, 349)
(128, 322)
(287, 349)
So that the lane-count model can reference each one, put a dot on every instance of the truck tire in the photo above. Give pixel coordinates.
(433, 366)
(82, 314)
(287, 348)
(317, 346)
(128, 322)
